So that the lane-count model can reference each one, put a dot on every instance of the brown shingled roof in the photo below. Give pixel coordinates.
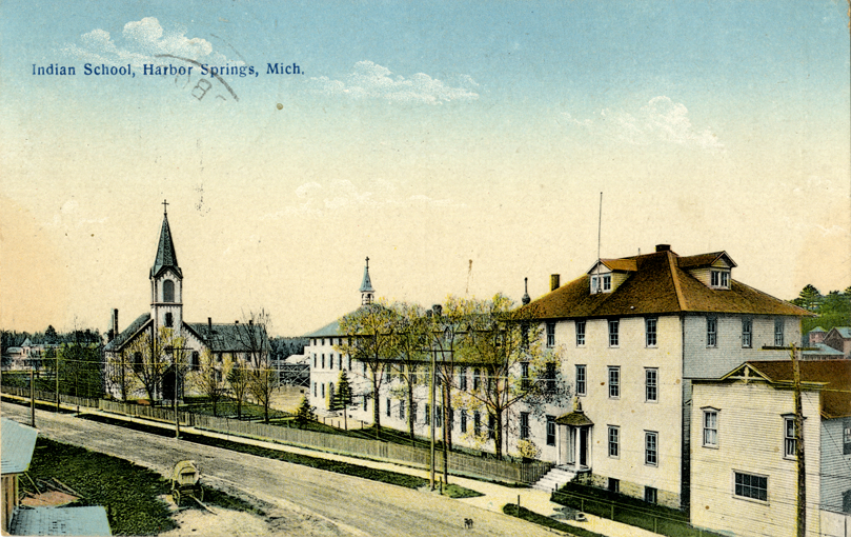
(835, 374)
(625, 265)
(659, 285)
(703, 260)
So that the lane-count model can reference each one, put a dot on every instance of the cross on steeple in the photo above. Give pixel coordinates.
(367, 262)
(165, 208)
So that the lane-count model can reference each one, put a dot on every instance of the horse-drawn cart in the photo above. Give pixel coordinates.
(186, 481)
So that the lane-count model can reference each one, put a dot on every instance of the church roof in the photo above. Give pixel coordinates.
(127, 333)
(227, 337)
(166, 255)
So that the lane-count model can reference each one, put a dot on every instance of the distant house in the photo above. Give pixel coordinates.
(744, 450)
(18, 444)
(840, 339)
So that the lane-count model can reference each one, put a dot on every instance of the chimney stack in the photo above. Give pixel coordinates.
(209, 327)
(555, 281)
(115, 323)
(663, 247)
(250, 322)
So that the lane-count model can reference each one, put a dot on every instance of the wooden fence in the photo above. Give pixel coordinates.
(459, 464)
(46, 396)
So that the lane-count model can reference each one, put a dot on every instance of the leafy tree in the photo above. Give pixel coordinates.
(808, 298)
(253, 339)
(411, 332)
(304, 414)
(505, 346)
(50, 334)
(152, 356)
(370, 340)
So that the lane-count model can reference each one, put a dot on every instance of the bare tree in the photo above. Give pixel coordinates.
(211, 377)
(151, 357)
(253, 338)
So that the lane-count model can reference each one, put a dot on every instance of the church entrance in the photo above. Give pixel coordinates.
(169, 385)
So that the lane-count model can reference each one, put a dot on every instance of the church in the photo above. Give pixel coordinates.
(159, 356)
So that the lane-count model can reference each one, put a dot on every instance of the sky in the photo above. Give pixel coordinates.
(462, 146)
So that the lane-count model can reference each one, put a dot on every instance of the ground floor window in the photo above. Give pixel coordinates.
(524, 425)
(463, 420)
(614, 441)
(751, 486)
(401, 410)
(614, 485)
(650, 495)
(551, 430)
(477, 423)
(388, 407)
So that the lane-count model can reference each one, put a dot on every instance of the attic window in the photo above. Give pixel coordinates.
(720, 279)
(601, 284)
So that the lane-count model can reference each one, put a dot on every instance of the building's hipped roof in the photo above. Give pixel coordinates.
(127, 333)
(659, 285)
(574, 419)
(234, 337)
(704, 260)
(166, 255)
(817, 329)
(17, 443)
(332, 329)
(834, 376)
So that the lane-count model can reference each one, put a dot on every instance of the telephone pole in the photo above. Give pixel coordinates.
(801, 513)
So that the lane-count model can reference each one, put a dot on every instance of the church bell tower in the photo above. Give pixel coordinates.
(367, 293)
(166, 282)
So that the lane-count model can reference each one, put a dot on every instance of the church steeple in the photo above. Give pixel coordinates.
(367, 293)
(166, 283)
(166, 255)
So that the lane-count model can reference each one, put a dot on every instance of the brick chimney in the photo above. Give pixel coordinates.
(209, 327)
(663, 247)
(555, 281)
(114, 323)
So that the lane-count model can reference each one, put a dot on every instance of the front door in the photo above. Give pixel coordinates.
(583, 446)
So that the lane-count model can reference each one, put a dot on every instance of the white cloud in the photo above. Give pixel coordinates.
(372, 81)
(315, 199)
(661, 120)
(140, 43)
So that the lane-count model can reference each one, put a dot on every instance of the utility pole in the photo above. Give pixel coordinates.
(431, 409)
(57, 382)
(32, 397)
(801, 514)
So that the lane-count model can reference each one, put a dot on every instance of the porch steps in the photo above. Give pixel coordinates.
(554, 479)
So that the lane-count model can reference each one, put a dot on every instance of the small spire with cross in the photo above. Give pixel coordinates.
(165, 208)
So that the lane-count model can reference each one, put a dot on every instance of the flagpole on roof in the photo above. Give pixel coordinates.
(600, 227)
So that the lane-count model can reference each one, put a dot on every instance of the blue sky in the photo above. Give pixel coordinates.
(424, 135)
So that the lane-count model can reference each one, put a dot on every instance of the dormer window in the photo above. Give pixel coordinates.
(720, 279)
(601, 283)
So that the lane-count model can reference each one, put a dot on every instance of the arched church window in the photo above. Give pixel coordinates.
(168, 291)
(169, 319)
(196, 361)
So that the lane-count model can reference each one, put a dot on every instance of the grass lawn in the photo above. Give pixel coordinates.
(522, 513)
(125, 489)
(227, 408)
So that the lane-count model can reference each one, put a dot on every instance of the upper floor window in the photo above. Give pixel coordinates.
(710, 427)
(614, 382)
(651, 384)
(551, 334)
(601, 283)
(551, 377)
(747, 333)
(168, 291)
(195, 365)
(581, 379)
(462, 378)
(525, 382)
(790, 441)
(720, 279)
(169, 320)
(614, 326)
(650, 332)
(580, 333)
(778, 332)
(711, 332)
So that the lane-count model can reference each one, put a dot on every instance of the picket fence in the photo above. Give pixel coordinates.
(523, 473)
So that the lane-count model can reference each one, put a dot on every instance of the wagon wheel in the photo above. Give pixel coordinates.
(201, 492)
(176, 495)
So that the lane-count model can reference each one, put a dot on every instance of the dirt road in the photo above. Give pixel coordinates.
(308, 501)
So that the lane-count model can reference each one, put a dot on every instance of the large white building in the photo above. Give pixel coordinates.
(634, 332)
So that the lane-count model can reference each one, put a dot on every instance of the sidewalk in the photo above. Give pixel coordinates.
(494, 497)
